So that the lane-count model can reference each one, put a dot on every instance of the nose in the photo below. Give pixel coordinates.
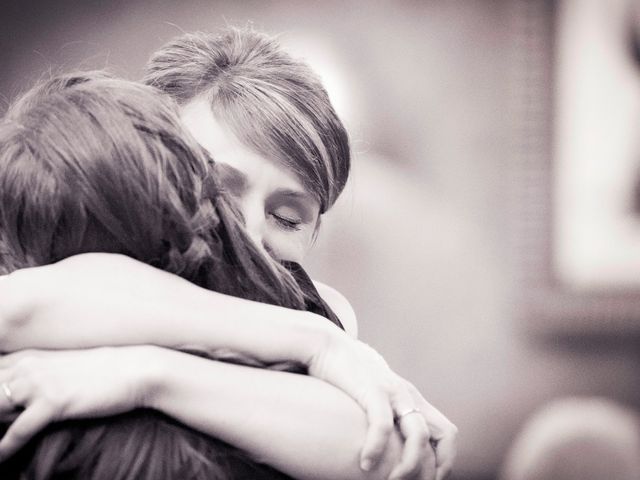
(255, 221)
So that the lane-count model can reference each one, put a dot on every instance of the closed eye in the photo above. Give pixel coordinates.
(291, 210)
(286, 222)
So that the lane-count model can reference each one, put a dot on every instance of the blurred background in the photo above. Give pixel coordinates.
(450, 108)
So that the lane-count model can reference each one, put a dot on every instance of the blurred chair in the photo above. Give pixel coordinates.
(577, 439)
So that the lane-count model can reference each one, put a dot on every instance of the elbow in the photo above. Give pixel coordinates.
(17, 308)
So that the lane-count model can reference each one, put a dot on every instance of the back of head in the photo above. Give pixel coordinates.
(90, 163)
(272, 102)
(139, 445)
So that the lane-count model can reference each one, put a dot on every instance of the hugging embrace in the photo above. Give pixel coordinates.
(154, 317)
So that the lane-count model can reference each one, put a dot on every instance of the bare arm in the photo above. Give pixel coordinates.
(296, 423)
(101, 299)
(315, 430)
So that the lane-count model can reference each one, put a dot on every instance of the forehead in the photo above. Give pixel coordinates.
(225, 148)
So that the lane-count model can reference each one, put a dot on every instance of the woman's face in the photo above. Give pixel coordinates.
(279, 213)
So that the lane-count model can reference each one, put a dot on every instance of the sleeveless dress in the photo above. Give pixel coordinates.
(313, 302)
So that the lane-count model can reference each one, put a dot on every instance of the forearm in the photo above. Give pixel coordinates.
(300, 425)
(39, 310)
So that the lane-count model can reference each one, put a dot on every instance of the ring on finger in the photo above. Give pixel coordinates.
(406, 412)
(8, 394)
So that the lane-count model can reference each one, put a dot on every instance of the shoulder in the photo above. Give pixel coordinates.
(340, 306)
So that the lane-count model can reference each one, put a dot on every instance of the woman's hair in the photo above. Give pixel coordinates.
(90, 163)
(272, 102)
(138, 445)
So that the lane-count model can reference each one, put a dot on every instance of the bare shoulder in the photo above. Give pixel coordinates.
(340, 306)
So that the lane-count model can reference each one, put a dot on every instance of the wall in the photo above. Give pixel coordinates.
(420, 241)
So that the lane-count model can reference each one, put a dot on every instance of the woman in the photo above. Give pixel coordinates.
(100, 165)
(91, 163)
(193, 69)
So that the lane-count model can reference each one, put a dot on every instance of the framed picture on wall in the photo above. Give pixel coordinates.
(576, 174)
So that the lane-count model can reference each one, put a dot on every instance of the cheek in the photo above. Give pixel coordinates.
(290, 246)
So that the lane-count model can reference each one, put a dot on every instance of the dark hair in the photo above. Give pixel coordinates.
(138, 445)
(272, 102)
(90, 163)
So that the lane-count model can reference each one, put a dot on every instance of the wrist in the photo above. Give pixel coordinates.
(268, 333)
(151, 377)
(318, 338)
(311, 335)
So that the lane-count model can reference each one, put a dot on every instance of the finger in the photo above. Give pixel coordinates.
(444, 435)
(380, 418)
(445, 456)
(416, 433)
(30, 422)
(12, 405)
(438, 423)
(10, 399)
(7, 403)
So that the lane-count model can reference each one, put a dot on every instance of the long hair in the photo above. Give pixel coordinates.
(89, 163)
(271, 101)
(138, 445)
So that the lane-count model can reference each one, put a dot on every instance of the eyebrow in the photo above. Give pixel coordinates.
(237, 182)
(233, 179)
(294, 194)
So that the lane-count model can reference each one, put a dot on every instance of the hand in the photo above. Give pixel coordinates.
(363, 374)
(444, 434)
(50, 386)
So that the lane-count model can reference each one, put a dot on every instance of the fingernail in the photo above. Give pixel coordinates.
(365, 465)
